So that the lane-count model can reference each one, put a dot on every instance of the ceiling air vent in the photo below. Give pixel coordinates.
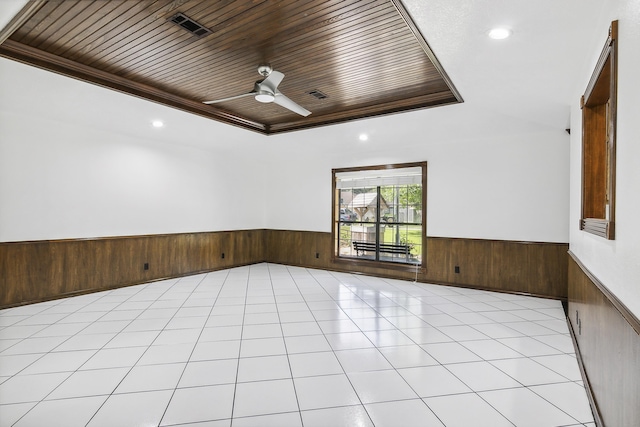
(190, 25)
(317, 94)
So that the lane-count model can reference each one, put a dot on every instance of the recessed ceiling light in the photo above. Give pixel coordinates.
(363, 137)
(499, 33)
(157, 123)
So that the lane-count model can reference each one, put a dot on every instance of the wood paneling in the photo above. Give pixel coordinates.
(367, 56)
(533, 268)
(599, 106)
(505, 266)
(42, 270)
(608, 343)
(508, 266)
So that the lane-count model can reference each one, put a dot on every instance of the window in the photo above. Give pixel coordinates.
(378, 213)
(599, 143)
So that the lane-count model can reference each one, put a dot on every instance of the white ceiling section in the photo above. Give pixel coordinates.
(528, 78)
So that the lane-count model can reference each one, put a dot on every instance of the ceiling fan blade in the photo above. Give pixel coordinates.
(272, 81)
(290, 105)
(230, 98)
(267, 91)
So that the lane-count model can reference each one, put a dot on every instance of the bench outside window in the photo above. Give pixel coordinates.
(362, 248)
(378, 213)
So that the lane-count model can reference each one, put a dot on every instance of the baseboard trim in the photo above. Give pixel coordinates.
(338, 268)
(607, 344)
(109, 288)
(36, 271)
(595, 411)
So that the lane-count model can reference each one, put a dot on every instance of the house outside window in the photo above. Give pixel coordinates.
(379, 213)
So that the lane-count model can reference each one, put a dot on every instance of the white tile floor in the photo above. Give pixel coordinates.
(271, 345)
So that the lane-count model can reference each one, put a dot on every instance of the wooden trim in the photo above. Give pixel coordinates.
(410, 276)
(427, 49)
(607, 344)
(353, 263)
(379, 167)
(23, 16)
(425, 217)
(46, 61)
(438, 99)
(520, 242)
(43, 270)
(335, 209)
(611, 176)
(597, 417)
(619, 305)
(132, 40)
(37, 271)
(602, 60)
(334, 193)
(524, 268)
(133, 236)
(598, 165)
(599, 227)
(501, 291)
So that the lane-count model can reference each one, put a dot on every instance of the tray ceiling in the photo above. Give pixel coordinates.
(366, 57)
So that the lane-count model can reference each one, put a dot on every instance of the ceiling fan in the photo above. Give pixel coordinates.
(266, 91)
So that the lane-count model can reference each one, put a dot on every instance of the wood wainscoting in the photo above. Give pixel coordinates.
(43, 270)
(607, 337)
(532, 268)
(506, 266)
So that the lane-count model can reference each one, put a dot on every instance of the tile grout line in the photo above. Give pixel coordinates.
(144, 352)
(77, 369)
(164, 413)
(244, 313)
(286, 349)
(359, 300)
(333, 351)
(395, 369)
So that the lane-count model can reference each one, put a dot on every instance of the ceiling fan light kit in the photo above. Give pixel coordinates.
(264, 97)
(266, 91)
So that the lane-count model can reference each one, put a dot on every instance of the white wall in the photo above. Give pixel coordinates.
(489, 177)
(616, 263)
(81, 161)
(78, 161)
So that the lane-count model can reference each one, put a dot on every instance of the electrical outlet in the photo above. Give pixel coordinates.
(317, 255)
(456, 269)
(222, 255)
(578, 323)
(146, 266)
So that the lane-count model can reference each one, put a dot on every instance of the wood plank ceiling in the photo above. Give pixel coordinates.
(367, 56)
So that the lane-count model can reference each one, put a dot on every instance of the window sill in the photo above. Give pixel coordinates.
(598, 227)
(368, 263)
